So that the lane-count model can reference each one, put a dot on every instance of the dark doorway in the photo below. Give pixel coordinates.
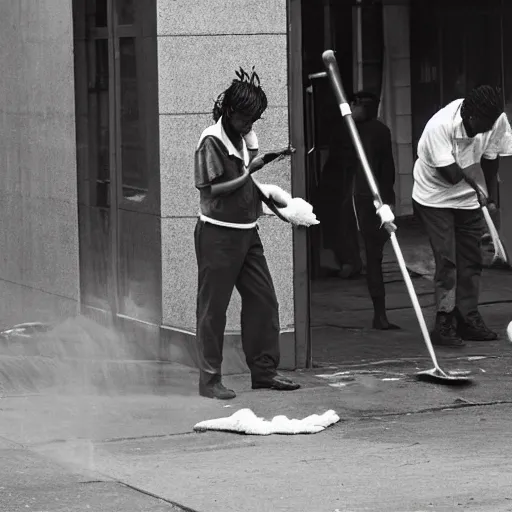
(354, 31)
(118, 157)
(454, 46)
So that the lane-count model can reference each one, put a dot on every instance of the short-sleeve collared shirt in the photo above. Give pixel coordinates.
(217, 161)
(444, 142)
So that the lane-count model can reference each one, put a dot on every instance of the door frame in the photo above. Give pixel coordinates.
(301, 264)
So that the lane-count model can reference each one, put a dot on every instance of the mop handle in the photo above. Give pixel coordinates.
(414, 298)
(499, 249)
(334, 75)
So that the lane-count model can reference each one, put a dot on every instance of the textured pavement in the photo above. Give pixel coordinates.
(100, 432)
(401, 445)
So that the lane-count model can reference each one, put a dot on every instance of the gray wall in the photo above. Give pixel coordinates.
(201, 44)
(39, 277)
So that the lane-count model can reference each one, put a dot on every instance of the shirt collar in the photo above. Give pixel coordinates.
(459, 131)
(217, 131)
(221, 133)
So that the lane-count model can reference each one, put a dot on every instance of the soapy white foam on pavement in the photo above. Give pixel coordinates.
(245, 421)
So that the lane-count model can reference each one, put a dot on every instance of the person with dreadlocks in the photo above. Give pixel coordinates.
(466, 132)
(228, 247)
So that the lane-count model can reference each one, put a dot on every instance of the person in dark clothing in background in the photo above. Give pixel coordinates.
(334, 203)
(346, 189)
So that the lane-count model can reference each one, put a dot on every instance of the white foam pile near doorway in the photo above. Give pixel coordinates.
(245, 421)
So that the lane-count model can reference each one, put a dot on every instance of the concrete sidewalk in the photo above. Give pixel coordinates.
(101, 432)
(392, 431)
(30, 481)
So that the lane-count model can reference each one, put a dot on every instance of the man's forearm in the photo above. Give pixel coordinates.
(490, 170)
(452, 173)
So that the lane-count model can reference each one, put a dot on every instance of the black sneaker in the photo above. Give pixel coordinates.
(216, 390)
(473, 328)
(445, 333)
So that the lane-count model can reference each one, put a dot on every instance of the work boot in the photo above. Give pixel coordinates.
(216, 390)
(445, 332)
(473, 328)
(279, 382)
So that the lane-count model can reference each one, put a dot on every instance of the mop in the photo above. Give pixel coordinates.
(293, 210)
(436, 374)
(499, 249)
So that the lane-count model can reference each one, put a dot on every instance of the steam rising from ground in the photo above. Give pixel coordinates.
(76, 356)
(65, 389)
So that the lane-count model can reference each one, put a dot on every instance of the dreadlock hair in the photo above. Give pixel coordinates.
(244, 95)
(484, 101)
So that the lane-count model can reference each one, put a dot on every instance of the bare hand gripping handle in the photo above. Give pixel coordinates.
(333, 73)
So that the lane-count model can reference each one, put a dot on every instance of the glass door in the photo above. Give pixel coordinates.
(118, 167)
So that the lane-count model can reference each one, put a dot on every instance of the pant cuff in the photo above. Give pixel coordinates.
(207, 378)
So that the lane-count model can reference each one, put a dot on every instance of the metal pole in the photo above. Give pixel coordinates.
(332, 66)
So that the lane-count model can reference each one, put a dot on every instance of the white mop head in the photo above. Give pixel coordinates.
(297, 211)
(245, 421)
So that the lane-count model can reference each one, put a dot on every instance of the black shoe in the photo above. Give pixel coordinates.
(473, 328)
(445, 333)
(216, 390)
(278, 382)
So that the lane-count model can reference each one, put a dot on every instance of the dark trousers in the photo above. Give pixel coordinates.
(455, 236)
(339, 227)
(229, 258)
(374, 238)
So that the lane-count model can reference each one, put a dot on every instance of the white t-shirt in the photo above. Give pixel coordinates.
(444, 141)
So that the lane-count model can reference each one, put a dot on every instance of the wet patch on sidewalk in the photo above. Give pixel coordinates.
(370, 379)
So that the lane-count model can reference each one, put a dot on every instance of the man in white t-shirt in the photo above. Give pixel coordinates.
(466, 132)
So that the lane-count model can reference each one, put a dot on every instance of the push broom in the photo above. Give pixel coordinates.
(436, 374)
